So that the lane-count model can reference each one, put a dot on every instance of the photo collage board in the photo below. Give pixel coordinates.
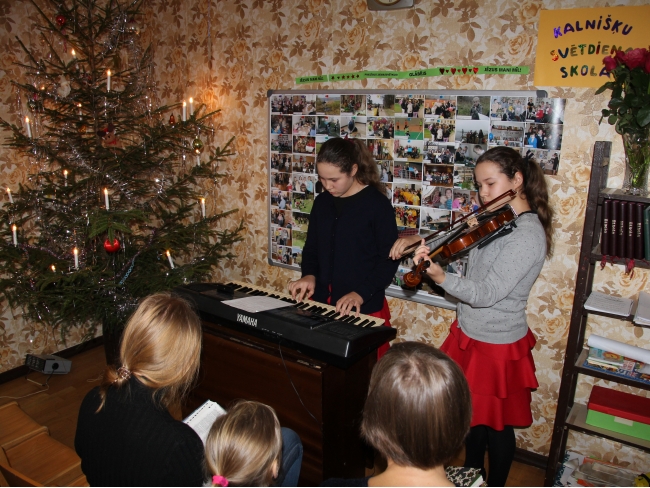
(425, 145)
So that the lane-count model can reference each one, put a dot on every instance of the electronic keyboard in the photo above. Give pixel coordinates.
(313, 328)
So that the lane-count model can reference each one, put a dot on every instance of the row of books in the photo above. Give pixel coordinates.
(625, 230)
(617, 365)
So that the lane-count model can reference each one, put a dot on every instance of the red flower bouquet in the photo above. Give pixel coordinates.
(629, 111)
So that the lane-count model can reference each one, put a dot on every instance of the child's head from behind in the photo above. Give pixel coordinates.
(419, 408)
(244, 445)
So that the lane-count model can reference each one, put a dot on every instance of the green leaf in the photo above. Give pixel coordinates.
(612, 119)
(643, 116)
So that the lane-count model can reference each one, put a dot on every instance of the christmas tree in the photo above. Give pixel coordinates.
(114, 207)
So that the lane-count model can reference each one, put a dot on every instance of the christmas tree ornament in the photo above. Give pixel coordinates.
(64, 87)
(197, 145)
(60, 20)
(111, 247)
(132, 26)
(172, 120)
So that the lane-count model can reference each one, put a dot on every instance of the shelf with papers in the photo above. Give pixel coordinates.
(606, 375)
(577, 421)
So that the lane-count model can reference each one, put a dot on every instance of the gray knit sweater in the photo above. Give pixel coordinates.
(500, 276)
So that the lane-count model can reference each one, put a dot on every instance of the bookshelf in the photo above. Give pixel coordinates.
(571, 415)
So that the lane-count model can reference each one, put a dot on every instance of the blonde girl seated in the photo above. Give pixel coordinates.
(244, 446)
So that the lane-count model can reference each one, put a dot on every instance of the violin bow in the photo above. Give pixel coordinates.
(488, 207)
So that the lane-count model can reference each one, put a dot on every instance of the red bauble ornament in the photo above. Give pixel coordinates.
(60, 19)
(110, 248)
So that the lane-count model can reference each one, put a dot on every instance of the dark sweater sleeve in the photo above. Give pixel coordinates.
(383, 238)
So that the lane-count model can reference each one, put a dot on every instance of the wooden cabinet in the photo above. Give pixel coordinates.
(570, 415)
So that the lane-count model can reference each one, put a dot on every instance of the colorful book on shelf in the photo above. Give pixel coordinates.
(598, 356)
(633, 374)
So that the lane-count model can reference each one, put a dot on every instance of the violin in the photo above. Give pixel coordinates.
(467, 238)
(488, 207)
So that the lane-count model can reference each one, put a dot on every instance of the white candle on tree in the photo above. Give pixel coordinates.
(191, 106)
(108, 80)
(184, 111)
(203, 207)
(11, 199)
(108, 205)
(65, 177)
(15, 235)
(75, 251)
(29, 127)
(169, 257)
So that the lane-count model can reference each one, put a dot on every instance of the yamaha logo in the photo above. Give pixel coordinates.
(244, 319)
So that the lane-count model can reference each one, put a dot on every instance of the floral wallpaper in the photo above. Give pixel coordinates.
(227, 54)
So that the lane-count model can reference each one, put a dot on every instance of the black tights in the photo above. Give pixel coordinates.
(500, 445)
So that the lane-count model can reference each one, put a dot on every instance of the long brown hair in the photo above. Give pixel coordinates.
(535, 189)
(160, 347)
(345, 153)
(419, 407)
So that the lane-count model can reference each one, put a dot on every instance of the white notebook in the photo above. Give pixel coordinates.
(601, 302)
(202, 418)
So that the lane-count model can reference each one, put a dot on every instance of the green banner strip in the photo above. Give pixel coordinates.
(417, 73)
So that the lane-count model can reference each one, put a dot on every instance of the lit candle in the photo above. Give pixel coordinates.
(198, 160)
(184, 111)
(203, 207)
(108, 205)
(74, 54)
(13, 231)
(65, 177)
(191, 106)
(11, 199)
(169, 257)
(53, 268)
(108, 80)
(29, 127)
(79, 111)
(75, 251)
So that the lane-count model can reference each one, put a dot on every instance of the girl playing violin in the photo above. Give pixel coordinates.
(351, 230)
(490, 339)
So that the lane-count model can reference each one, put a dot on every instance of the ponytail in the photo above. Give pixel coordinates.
(345, 153)
(535, 188)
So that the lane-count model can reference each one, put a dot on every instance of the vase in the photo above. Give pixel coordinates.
(637, 163)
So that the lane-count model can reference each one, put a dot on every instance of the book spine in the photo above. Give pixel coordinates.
(613, 228)
(646, 232)
(629, 230)
(605, 236)
(621, 230)
(639, 251)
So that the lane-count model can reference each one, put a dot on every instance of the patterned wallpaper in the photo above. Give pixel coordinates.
(227, 54)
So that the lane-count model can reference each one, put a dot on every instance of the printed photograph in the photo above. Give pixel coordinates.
(380, 105)
(407, 217)
(380, 128)
(300, 221)
(329, 126)
(304, 125)
(467, 154)
(380, 148)
(353, 126)
(407, 194)
(353, 104)
(464, 177)
(508, 109)
(440, 130)
(302, 144)
(408, 149)
(281, 181)
(545, 110)
(473, 108)
(434, 219)
(440, 153)
(472, 131)
(304, 164)
(302, 202)
(443, 106)
(328, 104)
(439, 174)
(280, 124)
(385, 171)
(409, 128)
(304, 104)
(544, 136)
(409, 106)
(510, 134)
(281, 143)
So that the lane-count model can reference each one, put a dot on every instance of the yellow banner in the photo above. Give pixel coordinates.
(572, 43)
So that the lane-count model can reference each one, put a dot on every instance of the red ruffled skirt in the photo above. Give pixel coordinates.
(500, 376)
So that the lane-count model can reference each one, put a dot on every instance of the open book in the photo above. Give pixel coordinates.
(203, 417)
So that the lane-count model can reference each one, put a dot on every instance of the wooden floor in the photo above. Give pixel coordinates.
(57, 408)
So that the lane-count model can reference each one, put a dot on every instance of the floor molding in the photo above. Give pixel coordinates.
(23, 370)
(531, 458)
